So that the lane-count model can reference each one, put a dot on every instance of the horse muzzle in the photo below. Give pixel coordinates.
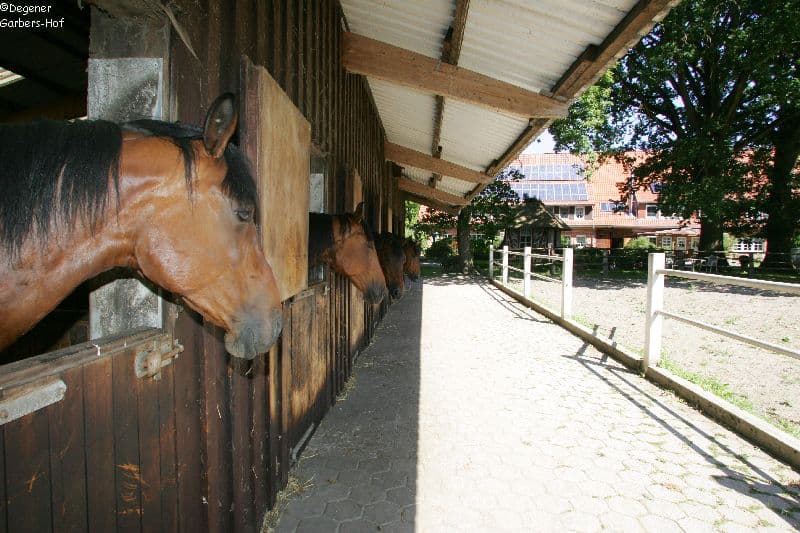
(254, 336)
(375, 293)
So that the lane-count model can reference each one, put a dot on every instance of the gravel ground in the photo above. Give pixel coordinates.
(769, 381)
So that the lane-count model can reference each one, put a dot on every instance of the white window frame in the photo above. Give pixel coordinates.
(563, 212)
(680, 243)
(647, 211)
(580, 241)
(580, 213)
(666, 242)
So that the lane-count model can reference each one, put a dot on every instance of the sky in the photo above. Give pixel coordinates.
(544, 144)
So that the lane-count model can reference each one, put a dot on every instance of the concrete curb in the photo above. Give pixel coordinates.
(761, 433)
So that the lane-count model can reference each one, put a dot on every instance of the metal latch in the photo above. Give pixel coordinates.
(150, 361)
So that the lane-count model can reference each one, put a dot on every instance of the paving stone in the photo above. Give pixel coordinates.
(461, 423)
(343, 510)
(316, 524)
(382, 512)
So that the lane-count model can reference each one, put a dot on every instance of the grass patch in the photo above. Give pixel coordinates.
(431, 270)
(721, 390)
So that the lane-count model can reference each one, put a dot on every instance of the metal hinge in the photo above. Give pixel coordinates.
(149, 362)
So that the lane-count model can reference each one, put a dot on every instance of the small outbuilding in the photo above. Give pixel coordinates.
(534, 226)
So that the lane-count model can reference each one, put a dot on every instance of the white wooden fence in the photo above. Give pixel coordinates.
(657, 271)
(527, 272)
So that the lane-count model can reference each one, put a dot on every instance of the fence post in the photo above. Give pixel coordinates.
(491, 262)
(655, 302)
(566, 284)
(505, 265)
(526, 272)
(605, 263)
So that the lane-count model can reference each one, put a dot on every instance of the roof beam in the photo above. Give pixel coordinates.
(404, 156)
(423, 191)
(587, 68)
(450, 210)
(362, 55)
(451, 51)
(595, 59)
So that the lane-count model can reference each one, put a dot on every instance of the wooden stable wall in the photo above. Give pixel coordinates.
(208, 446)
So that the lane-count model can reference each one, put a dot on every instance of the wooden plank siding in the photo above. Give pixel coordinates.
(298, 42)
(208, 446)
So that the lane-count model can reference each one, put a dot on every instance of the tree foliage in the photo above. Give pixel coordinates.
(708, 93)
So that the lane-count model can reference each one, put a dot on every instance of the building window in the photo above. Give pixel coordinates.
(666, 242)
(580, 241)
(579, 212)
(611, 207)
(652, 210)
(563, 212)
(749, 245)
(680, 243)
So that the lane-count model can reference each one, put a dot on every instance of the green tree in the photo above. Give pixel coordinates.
(700, 93)
(488, 214)
(411, 218)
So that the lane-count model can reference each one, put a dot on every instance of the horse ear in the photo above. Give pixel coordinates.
(358, 214)
(220, 124)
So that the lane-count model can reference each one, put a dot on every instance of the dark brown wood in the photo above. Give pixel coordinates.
(188, 375)
(241, 453)
(28, 474)
(148, 407)
(67, 459)
(167, 433)
(100, 470)
(128, 475)
(259, 437)
(217, 429)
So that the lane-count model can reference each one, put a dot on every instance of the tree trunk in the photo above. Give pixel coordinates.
(464, 252)
(781, 206)
(710, 234)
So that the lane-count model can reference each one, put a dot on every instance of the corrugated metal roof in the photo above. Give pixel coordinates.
(473, 137)
(528, 44)
(407, 115)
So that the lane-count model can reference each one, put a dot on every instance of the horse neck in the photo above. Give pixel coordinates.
(44, 274)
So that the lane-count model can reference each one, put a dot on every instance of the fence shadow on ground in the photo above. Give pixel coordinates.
(764, 490)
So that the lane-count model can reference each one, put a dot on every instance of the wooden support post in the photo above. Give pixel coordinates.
(491, 262)
(505, 265)
(605, 263)
(526, 272)
(655, 302)
(566, 284)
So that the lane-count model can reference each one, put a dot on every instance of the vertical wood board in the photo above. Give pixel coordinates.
(277, 139)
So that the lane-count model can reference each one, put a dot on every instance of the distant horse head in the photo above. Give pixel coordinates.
(346, 243)
(412, 252)
(392, 259)
(185, 217)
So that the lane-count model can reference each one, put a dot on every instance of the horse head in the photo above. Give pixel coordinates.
(412, 252)
(206, 246)
(392, 259)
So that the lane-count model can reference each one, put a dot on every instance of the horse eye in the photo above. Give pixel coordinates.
(244, 215)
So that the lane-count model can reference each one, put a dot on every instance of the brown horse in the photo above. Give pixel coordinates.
(412, 252)
(346, 244)
(392, 259)
(175, 202)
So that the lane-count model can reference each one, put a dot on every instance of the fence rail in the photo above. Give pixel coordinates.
(566, 272)
(656, 274)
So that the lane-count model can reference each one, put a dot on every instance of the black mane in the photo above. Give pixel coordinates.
(60, 171)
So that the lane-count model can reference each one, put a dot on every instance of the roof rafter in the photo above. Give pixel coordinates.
(451, 51)
(404, 156)
(422, 190)
(362, 55)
